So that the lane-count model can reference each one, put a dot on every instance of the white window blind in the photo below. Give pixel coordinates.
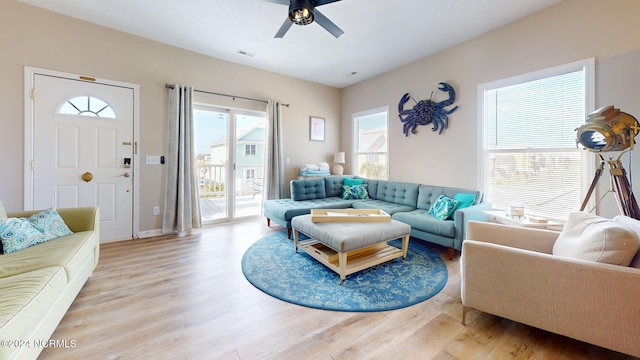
(371, 160)
(530, 153)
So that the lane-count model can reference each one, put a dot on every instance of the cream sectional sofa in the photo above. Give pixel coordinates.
(515, 273)
(39, 283)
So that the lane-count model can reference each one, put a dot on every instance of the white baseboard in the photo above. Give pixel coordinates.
(149, 233)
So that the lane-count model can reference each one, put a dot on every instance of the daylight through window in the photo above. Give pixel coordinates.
(530, 156)
(371, 143)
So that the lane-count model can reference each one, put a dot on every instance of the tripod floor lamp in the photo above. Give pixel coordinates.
(609, 129)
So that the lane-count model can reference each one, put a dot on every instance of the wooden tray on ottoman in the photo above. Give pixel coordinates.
(349, 215)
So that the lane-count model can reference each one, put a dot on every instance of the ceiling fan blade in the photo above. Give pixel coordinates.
(321, 2)
(327, 24)
(284, 28)
(281, 2)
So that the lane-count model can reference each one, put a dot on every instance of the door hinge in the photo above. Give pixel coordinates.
(135, 148)
(33, 94)
(33, 165)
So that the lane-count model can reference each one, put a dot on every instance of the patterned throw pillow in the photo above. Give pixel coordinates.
(20, 233)
(355, 192)
(443, 207)
(50, 224)
(17, 234)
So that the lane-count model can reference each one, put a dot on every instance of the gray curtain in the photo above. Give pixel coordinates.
(181, 202)
(274, 184)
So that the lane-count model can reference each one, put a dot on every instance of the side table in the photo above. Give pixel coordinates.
(503, 217)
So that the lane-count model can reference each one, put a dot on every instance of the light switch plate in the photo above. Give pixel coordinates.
(153, 160)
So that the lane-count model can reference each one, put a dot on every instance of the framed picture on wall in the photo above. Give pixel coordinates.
(316, 128)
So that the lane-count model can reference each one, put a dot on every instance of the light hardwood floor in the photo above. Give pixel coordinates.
(186, 298)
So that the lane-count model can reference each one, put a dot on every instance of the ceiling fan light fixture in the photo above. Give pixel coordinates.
(301, 12)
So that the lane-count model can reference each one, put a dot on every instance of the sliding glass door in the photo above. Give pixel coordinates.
(230, 144)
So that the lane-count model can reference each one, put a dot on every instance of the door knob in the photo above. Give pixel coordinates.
(125, 174)
(87, 176)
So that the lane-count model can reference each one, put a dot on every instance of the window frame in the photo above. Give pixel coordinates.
(588, 163)
(356, 139)
(250, 150)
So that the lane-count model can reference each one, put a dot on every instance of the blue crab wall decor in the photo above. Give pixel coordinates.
(426, 112)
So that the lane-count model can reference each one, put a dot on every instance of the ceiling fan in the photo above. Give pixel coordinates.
(303, 12)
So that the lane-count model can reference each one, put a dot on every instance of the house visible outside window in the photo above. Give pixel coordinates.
(250, 174)
(529, 152)
(250, 150)
(371, 145)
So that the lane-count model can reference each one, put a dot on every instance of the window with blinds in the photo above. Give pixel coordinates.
(370, 128)
(530, 156)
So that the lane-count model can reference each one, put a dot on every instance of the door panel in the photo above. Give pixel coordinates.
(67, 196)
(230, 162)
(95, 139)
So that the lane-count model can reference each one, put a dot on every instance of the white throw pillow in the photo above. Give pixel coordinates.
(590, 237)
(634, 225)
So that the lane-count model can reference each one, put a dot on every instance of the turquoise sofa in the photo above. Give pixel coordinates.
(406, 202)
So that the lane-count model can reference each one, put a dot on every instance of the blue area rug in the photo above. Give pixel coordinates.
(272, 265)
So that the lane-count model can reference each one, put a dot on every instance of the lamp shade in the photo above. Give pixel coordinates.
(339, 158)
(608, 129)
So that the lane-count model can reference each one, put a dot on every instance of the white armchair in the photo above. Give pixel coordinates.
(511, 272)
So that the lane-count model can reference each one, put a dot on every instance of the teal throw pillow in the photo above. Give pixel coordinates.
(355, 192)
(352, 181)
(17, 234)
(443, 207)
(50, 224)
(464, 200)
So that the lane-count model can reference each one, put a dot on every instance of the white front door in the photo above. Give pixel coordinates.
(83, 149)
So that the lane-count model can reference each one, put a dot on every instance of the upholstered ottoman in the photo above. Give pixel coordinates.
(348, 247)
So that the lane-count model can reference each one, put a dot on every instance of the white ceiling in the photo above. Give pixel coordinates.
(380, 35)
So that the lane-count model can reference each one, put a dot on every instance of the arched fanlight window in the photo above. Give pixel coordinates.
(87, 106)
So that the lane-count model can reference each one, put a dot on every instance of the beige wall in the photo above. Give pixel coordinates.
(569, 31)
(43, 39)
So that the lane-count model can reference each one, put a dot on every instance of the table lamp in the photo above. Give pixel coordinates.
(338, 159)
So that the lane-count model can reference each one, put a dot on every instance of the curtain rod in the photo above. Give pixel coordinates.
(169, 86)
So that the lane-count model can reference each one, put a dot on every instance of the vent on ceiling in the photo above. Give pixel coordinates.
(245, 53)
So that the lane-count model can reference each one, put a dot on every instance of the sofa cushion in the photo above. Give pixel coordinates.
(443, 207)
(25, 300)
(69, 251)
(590, 237)
(397, 192)
(307, 189)
(388, 207)
(633, 225)
(420, 219)
(287, 209)
(333, 185)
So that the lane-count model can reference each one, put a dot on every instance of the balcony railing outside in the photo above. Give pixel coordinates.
(212, 188)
